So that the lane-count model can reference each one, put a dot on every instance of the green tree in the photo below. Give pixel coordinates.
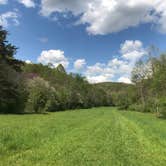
(10, 77)
(140, 73)
(38, 95)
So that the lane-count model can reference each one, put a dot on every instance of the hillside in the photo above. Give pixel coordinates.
(120, 94)
(114, 86)
(27, 87)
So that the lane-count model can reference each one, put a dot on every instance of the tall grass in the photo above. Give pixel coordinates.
(99, 136)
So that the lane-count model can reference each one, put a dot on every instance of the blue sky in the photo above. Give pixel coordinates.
(101, 39)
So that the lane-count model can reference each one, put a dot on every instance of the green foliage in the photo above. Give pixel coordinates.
(159, 75)
(161, 107)
(11, 84)
(136, 107)
(150, 80)
(45, 88)
(12, 95)
(7, 51)
(40, 96)
(53, 103)
(60, 68)
(119, 94)
(72, 90)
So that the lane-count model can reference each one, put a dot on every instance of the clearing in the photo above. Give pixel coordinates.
(98, 136)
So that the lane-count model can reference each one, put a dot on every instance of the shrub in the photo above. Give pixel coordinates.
(161, 110)
(136, 107)
(11, 90)
(53, 102)
(38, 95)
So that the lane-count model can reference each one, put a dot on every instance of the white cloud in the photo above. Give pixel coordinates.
(117, 69)
(160, 6)
(54, 57)
(95, 69)
(109, 16)
(28, 62)
(27, 3)
(124, 80)
(162, 23)
(132, 50)
(79, 64)
(3, 2)
(99, 73)
(75, 6)
(97, 79)
(120, 66)
(9, 17)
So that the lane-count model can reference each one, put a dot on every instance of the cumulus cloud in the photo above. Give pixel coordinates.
(55, 57)
(9, 17)
(79, 64)
(117, 69)
(109, 16)
(96, 69)
(3, 2)
(28, 62)
(162, 23)
(132, 50)
(75, 6)
(97, 79)
(27, 3)
(160, 8)
(124, 80)
(99, 73)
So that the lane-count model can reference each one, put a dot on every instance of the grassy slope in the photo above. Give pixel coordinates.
(100, 136)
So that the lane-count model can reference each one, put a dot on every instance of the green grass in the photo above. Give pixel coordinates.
(99, 136)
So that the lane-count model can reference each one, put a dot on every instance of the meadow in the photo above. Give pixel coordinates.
(97, 136)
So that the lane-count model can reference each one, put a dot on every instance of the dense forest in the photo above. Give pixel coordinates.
(37, 88)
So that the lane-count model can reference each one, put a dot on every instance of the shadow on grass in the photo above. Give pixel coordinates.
(25, 113)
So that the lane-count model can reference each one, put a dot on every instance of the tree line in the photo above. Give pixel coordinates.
(149, 77)
(28, 88)
(148, 91)
(37, 88)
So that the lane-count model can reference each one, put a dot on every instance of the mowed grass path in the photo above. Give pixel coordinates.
(98, 136)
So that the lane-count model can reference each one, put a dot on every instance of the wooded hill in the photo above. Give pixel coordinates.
(37, 88)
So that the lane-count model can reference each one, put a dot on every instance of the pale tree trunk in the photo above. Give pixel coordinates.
(142, 94)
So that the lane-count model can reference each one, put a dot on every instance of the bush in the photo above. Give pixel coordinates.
(53, 102)
(136, 107)
(161, 110)
(12, 90)
(122, 101)
(38, 95)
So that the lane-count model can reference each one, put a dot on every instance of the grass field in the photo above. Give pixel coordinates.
(99, 136)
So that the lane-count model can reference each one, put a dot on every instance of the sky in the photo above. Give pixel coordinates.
(100, 39)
